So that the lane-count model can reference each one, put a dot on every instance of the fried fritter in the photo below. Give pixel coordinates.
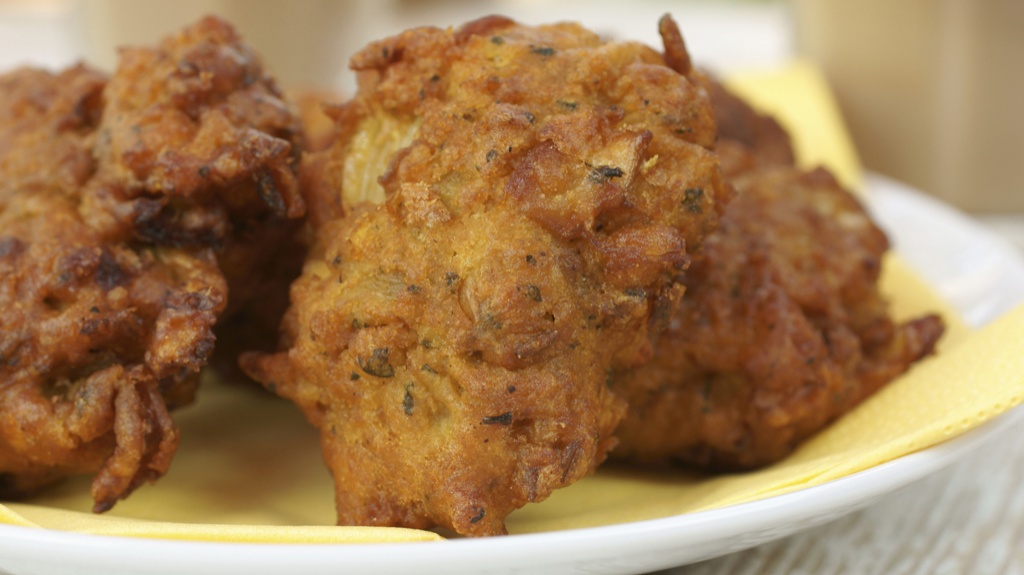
(782, 330)
(95, 338)
(127, 210)
(196, 149)
(45, 124)
(509, 212)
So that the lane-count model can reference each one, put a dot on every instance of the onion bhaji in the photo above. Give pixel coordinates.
(504, 219)
(129, 207)
(782, 329)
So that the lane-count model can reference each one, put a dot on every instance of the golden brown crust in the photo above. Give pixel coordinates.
(519, 204)
(781, 331)
(198, 118)
(92, 332)
(46, 121)
(116, 201)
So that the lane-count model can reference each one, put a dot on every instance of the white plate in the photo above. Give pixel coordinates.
(981, 275)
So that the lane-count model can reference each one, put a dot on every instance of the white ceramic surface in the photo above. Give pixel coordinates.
(980, 274)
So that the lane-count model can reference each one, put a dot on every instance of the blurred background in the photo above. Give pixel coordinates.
(931, 90)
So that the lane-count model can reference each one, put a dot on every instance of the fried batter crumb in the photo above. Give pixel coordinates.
(128, 206)
(531, 183)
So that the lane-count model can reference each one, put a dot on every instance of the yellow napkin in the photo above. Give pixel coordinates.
(249, 466)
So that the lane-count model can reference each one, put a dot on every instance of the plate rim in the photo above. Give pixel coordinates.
(847, 494)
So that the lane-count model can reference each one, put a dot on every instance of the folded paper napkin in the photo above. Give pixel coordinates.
(249, 466)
